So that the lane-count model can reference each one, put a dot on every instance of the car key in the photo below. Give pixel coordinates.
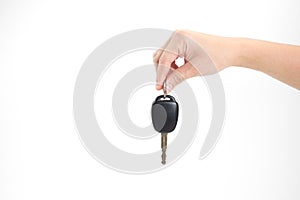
(164, 114)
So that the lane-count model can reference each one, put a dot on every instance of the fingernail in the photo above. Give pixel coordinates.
(158, 87)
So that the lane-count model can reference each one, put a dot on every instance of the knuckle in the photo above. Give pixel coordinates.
(180, 75)
(163, 60)
(181, 32)
(175, 79)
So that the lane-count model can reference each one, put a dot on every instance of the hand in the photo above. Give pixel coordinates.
(203, 54)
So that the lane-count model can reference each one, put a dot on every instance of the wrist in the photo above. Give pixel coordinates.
(246, 53)
(238, 52)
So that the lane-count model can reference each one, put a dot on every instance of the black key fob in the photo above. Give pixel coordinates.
(164, 113)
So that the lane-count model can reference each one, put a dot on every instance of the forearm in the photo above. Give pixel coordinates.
(280, 61)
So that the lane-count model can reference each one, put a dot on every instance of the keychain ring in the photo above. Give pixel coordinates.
(165, 88)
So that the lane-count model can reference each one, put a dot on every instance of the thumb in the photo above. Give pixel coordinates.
(180, 74)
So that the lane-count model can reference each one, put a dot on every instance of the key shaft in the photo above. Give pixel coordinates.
(164, 143)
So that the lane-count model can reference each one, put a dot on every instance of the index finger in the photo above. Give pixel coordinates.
(164, 65)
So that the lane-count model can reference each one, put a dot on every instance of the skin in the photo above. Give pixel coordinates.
(281, 61)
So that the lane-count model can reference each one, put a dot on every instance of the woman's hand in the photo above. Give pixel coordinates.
(206, 54)
(203, 54)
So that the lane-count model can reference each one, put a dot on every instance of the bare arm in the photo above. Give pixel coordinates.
(281, 61)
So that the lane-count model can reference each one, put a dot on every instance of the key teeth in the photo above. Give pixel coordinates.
(163, 157)
(164, 147)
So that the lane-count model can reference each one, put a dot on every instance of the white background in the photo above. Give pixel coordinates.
(42, 47)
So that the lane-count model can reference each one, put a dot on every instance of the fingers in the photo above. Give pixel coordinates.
(172, 72)
(164, 59)
(156, 57)
(180, 74)
(164, 65)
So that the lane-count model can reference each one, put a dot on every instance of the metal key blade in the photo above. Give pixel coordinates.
(164, 142)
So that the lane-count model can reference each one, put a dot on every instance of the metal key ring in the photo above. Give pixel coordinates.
(165, 88)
